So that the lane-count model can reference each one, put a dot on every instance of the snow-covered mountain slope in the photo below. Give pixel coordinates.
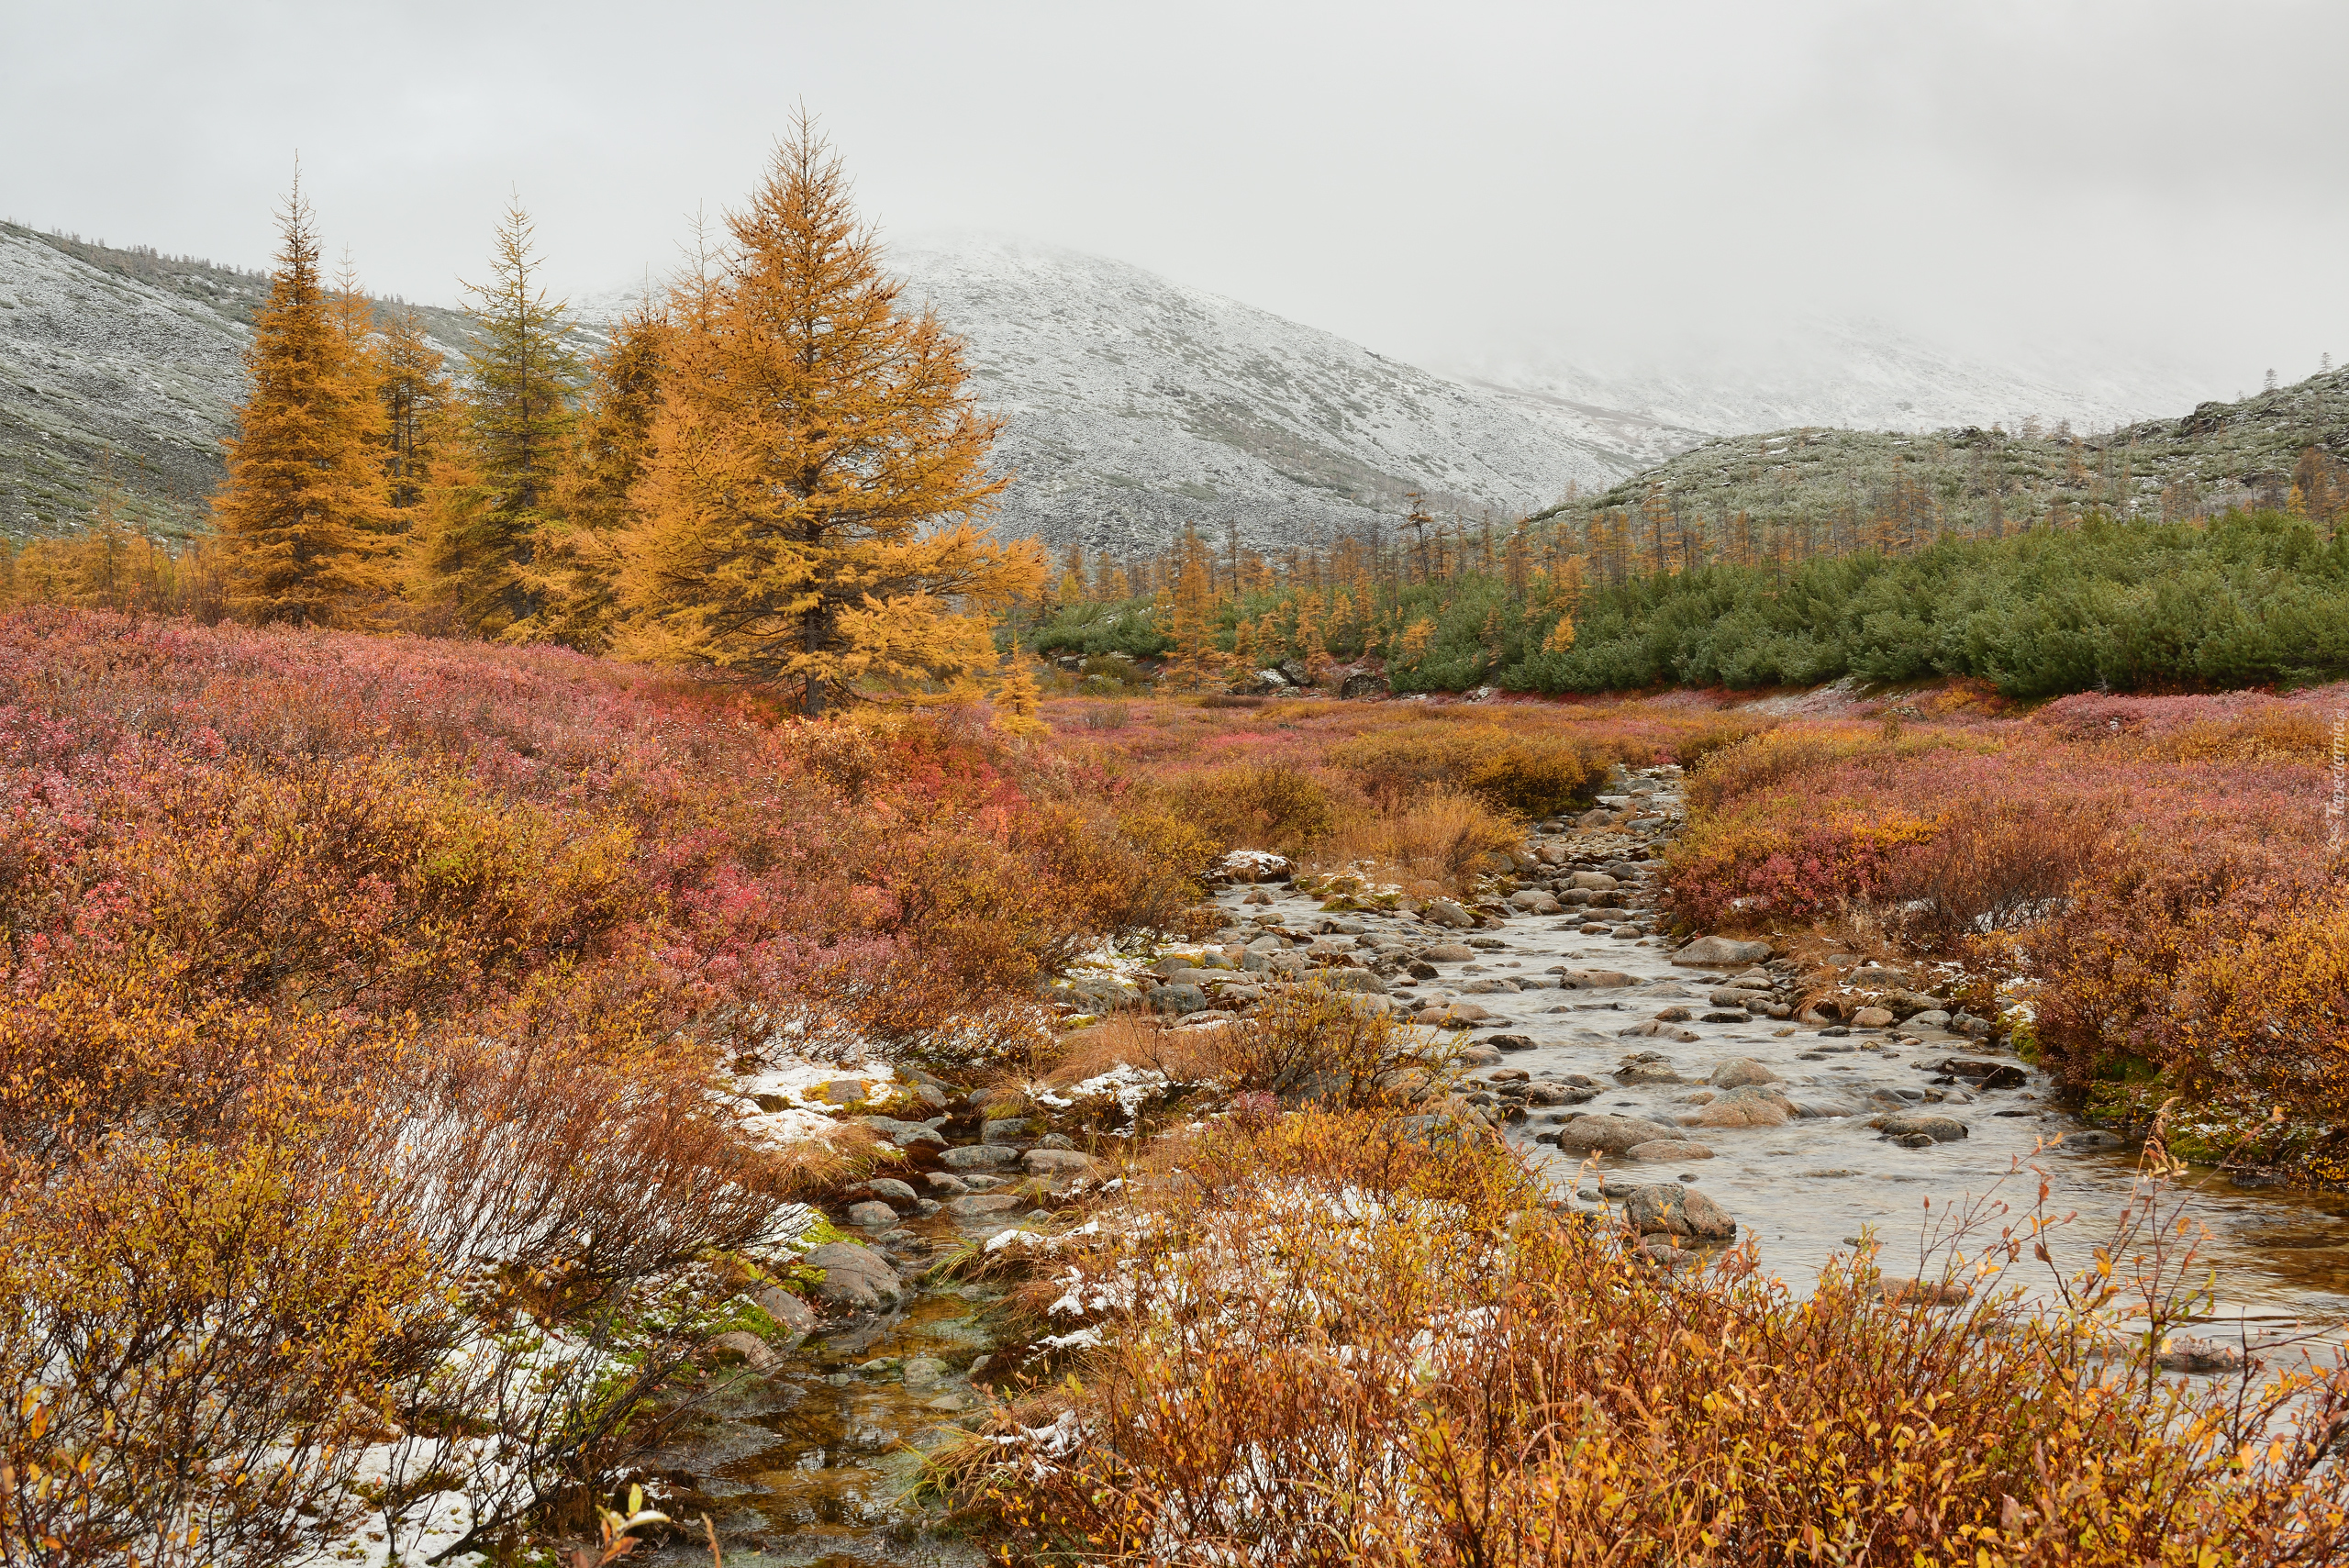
(1134, 405)
(122, 368)
(100, 374)
(1863, 375)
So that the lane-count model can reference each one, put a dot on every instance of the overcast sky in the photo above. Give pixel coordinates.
(1444, 182)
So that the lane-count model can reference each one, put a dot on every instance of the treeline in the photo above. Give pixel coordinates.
(772, 474)
(2247, 597)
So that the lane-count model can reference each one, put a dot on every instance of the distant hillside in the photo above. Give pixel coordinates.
(1984, 481)
(124, 364)
(1136, 404)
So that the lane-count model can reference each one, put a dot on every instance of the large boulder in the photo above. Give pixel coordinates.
(1605, 1133)
(1533, 901)
(1738, 1072)
(1722, 951)
(1670, 1210)
(1913, 1124)
(1360, 688)
(856, 1278)
(1666, 1151)
(1595, 881)
(1056, 1162)
(1444, 912)
(980, 1157)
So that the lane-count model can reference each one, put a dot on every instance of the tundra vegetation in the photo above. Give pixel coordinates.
(406, 888)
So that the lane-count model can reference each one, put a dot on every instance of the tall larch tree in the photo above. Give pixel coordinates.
(812, 517)
(572, 568)
(522, 377)
(415, 392)
(305, 515)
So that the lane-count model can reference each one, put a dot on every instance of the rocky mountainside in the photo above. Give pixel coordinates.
(1864, 375)
(2222, 454)
(1135, 406)
(121, 367)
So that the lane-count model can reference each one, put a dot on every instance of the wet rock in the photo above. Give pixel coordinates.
(985, 1203)
(1187, 999)
(1729, 1112)
(742, 1345)
(1533, 901)
(1509, 1043)
(1739, 1071)
(1593, 979)
(1722, 951)
(1667, 1152)
(1604, 1133)
(857, 1278)
(1923, 1291)
(924, 1372)
(1915, 1124)
(1444, 912)
(979, 1157)
(1675, 1015)
(1490, 986)
(1447, 953)
(1982, 1074)
(872, 1214)
(1056, 1162)
(1360, 982)
(1647, 1068)
(1718, 1017)
(2184, 1354)
(1871, 1017)
(793, 1315)
(1006, 1130)
(1420, 969)
(1670, 1210)
(888, 1189)
(2090, 1138)
(1594, 881)
(946, 1181)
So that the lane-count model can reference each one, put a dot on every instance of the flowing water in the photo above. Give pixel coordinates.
(811, 1464)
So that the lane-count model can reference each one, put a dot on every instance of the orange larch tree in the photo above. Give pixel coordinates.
(812, 513)
(305, 513)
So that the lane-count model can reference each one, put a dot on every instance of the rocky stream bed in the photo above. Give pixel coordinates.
(1684, 1087)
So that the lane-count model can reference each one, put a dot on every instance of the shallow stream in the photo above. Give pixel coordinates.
(810, 1465)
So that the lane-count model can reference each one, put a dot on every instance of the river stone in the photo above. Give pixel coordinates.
(1492, 985)
(888, 1189)
(1005, 1129)
(1448, 952)
(1712, 951)
(1871, 1017)
(983, 1203)
(1594, 881)
(2090, 1138)
(1673, 1015)
(741, 1344)
(1733, 1113)
(1593, 979)
(1909, 1124)
(1191, 999)
(904, 1134)
(946, 1181)
(1983, 1074)
(793, 1315)
(1056, 1161)
(1509, 1043)
(1605, 1133)
(840, 1091)
(1738, 1072)
(1932, 1018)
(1533, 901)
(979, 1157)
(855, 1277)
(1647, 1068)
(1670, 1210)
(1444, 912)
(1360, 981)
(923, 1371)
(1667, 1152)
